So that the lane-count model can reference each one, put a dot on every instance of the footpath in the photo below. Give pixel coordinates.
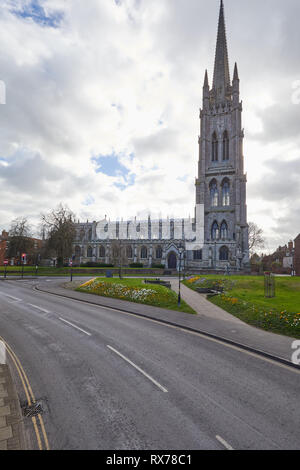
(11, 420)
(210, 319)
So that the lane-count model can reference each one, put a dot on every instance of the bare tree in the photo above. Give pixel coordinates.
(60, 227)
(20, 241)
(256, 239)
(119, 255)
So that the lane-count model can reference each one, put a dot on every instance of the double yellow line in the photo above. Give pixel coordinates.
(38, 425)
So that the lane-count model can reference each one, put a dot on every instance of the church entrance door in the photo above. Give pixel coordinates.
(172, 261)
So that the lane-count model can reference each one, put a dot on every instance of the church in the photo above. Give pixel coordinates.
(216, 238)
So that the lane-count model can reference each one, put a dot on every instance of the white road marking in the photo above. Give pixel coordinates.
(39, 308)
(139, 369)
(182, 329)
(13, 298)
(74, 326)
(224, 443)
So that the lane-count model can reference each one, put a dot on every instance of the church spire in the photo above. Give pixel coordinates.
(221, 71)
(206, 84)
(235, 73)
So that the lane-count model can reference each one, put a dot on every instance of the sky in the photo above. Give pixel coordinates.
(100, 107)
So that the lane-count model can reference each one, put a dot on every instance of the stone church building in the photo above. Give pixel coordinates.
(217, 237)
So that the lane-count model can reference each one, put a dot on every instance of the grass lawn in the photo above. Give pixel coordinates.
(134, 290)
(244, 297)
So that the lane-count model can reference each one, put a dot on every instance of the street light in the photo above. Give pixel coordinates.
(181, 250)
(23, 260)
(71, 269)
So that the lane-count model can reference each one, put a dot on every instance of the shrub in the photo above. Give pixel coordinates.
(158, 266)
(93, 264)
(136, 265)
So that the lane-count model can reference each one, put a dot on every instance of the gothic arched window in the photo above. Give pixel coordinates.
(225, 146)
(115, 252)
(226, 193)
(172, 229)
(224, 253)
(214, 195)
(214, 149)
(197, 255)
(129, 252)
(77, 251)
(224, 230)
(90, 252)
(215, 231)
(158, 253)
(144, 253)
(102, 252)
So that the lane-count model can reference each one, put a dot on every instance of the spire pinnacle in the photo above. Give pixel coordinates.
(221, 72)
(235, 73)
(206, 84)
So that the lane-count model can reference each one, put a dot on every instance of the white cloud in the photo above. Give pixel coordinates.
(126, 78)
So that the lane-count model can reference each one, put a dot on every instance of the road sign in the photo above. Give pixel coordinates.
(5, 262)
(70, 263)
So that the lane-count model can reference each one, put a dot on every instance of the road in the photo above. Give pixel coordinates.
(109, 380)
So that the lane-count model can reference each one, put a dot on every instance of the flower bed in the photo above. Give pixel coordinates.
(284, 322)
(119, 291)
(134, 290)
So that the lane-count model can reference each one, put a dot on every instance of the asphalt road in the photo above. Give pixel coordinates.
(109, 380)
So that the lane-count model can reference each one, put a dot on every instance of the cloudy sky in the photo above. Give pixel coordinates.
(102, 106)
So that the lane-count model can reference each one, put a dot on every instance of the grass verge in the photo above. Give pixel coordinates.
(134, 290)
(244, 298)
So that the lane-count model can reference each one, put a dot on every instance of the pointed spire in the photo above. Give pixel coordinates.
(235, 73)
(206, 84)
(221, 71)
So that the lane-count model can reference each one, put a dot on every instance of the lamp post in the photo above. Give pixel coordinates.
(215, 254)
(23, 260)
(71, 270)
(5, 268)
(180, 249)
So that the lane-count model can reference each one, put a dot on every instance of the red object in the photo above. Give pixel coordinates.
(71, 263)
(5, 262)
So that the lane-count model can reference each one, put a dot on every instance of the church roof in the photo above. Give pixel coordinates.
(221, 70)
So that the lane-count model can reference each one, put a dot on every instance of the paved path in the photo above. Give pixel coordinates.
(215, 320)
(202, 306)
(11, 425)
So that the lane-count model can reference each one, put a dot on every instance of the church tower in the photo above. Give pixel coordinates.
(221, 183)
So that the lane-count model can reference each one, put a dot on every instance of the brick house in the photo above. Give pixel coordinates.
(297, 256)
(3, 247)
(32, 258)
